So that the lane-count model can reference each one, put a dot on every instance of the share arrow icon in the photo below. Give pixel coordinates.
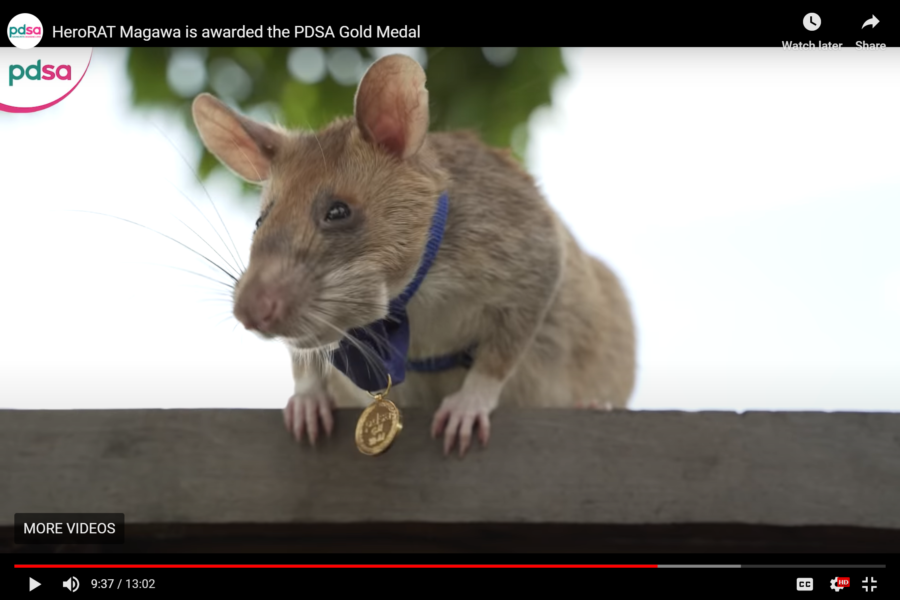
(873, 22)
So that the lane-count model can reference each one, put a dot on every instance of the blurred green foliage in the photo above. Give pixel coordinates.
(491, 90)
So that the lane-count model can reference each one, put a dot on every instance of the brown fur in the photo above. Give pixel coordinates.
(553, 325)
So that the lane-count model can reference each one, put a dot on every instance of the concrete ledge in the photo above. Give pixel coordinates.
(218, 467)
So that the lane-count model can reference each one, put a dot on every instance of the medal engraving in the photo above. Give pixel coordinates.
(378, 425)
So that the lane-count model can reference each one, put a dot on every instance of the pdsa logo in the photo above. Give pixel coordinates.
(25, 31)
(40, 78)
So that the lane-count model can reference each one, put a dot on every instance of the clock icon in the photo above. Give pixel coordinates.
(812, 22)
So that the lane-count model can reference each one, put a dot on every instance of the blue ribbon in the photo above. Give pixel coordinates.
(387, 341)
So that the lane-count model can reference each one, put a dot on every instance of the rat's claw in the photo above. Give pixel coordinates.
(457, 418)
(465, 433)
(312, 420)
(450, 433)
(303, 412)
(439, 422)
(484, 429)
(325, 413)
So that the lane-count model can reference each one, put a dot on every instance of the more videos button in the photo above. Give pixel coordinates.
(70, 528)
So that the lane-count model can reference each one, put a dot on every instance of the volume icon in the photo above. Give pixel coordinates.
(71, 584)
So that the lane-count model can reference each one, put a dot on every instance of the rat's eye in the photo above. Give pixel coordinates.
(262, 217)
(337, 211)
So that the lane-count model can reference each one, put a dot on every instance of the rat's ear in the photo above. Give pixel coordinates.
(391, 105)
(243, 145)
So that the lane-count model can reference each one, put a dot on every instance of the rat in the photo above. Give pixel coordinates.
(429, 261)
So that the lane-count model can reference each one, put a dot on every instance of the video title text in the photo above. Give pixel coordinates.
(272, 32)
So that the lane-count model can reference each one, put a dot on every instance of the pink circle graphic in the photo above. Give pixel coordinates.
(31, 109)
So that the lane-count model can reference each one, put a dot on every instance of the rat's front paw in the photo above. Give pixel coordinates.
(303, 412)
(457, 417)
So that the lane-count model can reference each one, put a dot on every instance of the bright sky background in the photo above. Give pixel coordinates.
(750, 200)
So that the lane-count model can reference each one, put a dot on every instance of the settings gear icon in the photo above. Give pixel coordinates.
(834, 585)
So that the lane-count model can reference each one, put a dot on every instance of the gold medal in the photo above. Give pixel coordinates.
(378, 425)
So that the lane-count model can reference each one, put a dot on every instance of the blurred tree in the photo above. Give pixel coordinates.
(491, 90)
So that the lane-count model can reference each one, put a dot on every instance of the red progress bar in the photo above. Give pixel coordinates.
(332, 566)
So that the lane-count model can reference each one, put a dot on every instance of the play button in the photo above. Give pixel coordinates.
(32, 584)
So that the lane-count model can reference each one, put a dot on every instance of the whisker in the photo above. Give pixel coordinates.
(216, 231)
(316, 357)
(322, 150)
(218, 295)
(158, 233)
(219, 281)
(200, 181)
(216, 292)
(351, 302)
(223, 321)
(208, 244)
(225, 300)
(367, 353)
(383, 342)
(331, 293)
(326, 298)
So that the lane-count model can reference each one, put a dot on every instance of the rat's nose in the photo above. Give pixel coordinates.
(259, 311)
